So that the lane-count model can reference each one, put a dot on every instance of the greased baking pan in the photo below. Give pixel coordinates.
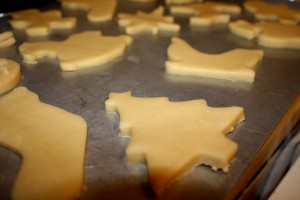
(271, 106)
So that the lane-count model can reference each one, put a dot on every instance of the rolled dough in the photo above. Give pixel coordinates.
(36, 23)
(270, 11)
(81, 50)
(98, 10)
(7, 39)
(173, 137)
(207, 13)
(268, 34)
(51, 142)
(148, 22)
(10, 74)
(237, 64)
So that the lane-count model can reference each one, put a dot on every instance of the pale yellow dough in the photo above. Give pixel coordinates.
(36, 23)
(98, 10)
(81, 50)
(148, 22)
(7, 39)
(168, 2)
(10, 74)
(268, 34)
(173, 137)
(280, 12)
(208, 13)
(237, 64)
(141, 0)
(51, 142)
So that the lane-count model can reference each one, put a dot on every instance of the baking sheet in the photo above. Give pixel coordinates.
(141, 70)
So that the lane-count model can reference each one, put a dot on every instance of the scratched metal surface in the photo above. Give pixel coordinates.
(141, 70)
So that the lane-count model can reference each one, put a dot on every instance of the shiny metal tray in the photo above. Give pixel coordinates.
(270, 103)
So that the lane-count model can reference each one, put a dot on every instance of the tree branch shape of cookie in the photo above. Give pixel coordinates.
(180, 136)
(147, 22)
(36, 23)
(86, 49)
(10, 74)
(208, 13)
(98, 10)
(237, 64)
(268, 34)
(51, 142)
(273, 12)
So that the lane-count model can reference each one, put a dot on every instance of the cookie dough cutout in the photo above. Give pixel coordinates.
(279, 12)
(180, 136)
(268, 34)
(141, 1)
(168, 2)
(51, 142)
(237, 64)
(10, 74)
(208, 13)
(81, 50)
(98, 10)
(36, 23)
(7, 39)
(148, 22)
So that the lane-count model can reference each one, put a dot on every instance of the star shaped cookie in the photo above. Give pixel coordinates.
(237, 64)
(98, 10)
(207, 13)
(173, 137)
(147, 22)
(280, 12)
(268, 34)
(81, 50)
(36, 23)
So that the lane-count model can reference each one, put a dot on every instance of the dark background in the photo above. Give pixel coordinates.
(14, 5)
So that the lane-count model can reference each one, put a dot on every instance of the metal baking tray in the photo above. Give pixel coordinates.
(271, 106)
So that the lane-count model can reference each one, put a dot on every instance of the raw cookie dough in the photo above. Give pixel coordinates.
(148, 22)
(268, 34)
(207, 13)
(168, 2)
(36, 23)
(273, 12)
(141, 0)
(10, 74)
(51, 142)
(7, 39)
(80, 50)
(237, 64)
(173, 137)
(98, 10)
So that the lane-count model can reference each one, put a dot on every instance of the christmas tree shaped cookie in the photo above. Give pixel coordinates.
(147, 22)
(207, 13)
(51, 142)
(98, 10)
(237, 64)
(173, 137)
(36, 23)
(80, 50)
